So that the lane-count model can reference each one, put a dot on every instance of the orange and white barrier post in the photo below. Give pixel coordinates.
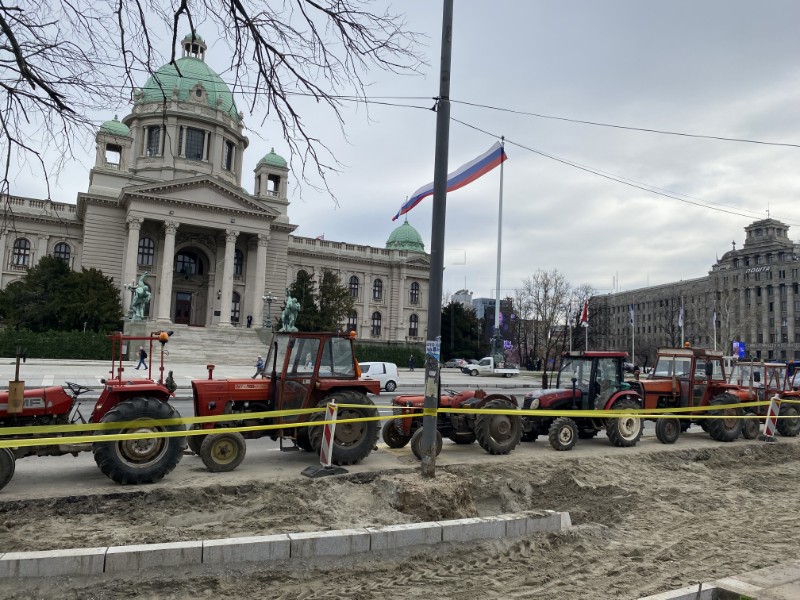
(326, 448)
(772, 421)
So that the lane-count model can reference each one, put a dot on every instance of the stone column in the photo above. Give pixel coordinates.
(227, 278)
(790, 329)
(256, 290)
(165, 276)
(3, 242)
(131, 256)
(41, 249)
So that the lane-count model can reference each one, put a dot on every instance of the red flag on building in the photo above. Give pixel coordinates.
(585, 315)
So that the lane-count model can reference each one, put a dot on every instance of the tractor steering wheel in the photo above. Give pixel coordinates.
(77, 389)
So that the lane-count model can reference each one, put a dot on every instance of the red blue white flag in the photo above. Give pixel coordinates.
(585, 315)
(460, 177)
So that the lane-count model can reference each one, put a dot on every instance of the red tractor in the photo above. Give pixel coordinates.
(497, 434)
(693, 378)
(303, 370)
(121, 400)
(591, 380)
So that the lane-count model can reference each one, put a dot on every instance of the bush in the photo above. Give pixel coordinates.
(393, 353)
(55, 344)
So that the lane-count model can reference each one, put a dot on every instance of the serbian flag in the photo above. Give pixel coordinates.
(585, 315)
(460, 177)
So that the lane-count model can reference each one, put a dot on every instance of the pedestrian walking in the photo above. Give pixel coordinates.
(249, 321)
(411, 363)
(259, 368)
(142, 357)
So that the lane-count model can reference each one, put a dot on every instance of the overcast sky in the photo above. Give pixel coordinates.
(725, 68)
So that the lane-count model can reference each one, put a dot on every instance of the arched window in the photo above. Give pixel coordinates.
(236, 307)
(376, 324)
(238, 263)
(21, 256)
(377, 290)
(187, 263)
(354, 286)
(147, 252)
(414, 295)
(352, 321)
(62, 252)
(413, 326)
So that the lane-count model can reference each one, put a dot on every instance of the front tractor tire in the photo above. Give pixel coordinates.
(789, 426)
(563, 434)
(223, 452)
(7, 466)
(498, 434)
(143, 460)
(416, 443)
(393, 436)
(352, 442)
(668, 430)
(751, 426)
(625, 431)
(724, 430)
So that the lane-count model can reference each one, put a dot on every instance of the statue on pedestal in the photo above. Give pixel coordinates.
(141, 297)
(289, 314)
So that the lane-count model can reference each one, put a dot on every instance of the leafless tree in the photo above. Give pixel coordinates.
(548, 292)
(63, 61)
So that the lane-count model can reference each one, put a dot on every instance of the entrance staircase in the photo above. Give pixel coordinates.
(218, 346)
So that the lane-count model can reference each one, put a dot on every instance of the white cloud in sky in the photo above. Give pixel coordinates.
(722, 67)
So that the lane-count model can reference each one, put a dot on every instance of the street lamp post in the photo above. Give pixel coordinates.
(268, 300)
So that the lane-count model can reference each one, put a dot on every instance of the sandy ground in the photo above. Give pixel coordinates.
(644, 523)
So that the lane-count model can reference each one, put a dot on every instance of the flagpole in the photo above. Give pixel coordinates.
(681, 323)
(714, 317)
(496, 336)
(569, 325)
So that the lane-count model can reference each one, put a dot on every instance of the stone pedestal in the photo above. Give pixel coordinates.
(135, 329)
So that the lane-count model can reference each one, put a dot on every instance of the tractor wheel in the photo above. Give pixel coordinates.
(195, 441)
(625, 431)
(668, 430)
(223, 451)
(787, 427)
(563, 434)
(390, 386)
(144, 460)
(750, 427)
(352, 442)
(724, 430)
(587, 434)
(473, 373)
(7, 466)
(498, 434)
(416, 443)
(462, 438)
(393, 437)
(301, 439)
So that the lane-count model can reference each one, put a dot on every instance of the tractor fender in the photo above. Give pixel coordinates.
(490, 397)
(623, 395)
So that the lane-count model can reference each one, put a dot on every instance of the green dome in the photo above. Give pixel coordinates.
(192, 71)
(188, 38)
(273, 160)
(115, 127)
(405, 237)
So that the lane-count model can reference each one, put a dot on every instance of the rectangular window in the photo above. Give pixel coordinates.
(153, 147)
(227, 160)
(195, 143)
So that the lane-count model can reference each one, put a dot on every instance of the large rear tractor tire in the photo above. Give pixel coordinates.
(393, 436)
(223, 452)
(144, 460)
(625, 431)
(750, 426)
(7, 466)
(563, 434)
(352, 442)
(416, 443)
(788, 426)
(498, 434)
(724, 430)
(668, 430)
(195, 441)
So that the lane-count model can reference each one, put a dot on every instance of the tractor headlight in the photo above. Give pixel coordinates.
(534, 404)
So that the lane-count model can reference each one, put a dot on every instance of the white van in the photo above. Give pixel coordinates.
(384, 372)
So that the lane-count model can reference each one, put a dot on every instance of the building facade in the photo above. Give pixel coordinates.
(165, 200)
(751, 295)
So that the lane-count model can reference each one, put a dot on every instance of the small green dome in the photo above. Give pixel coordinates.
(192, 71)
(115, 127)
(188, 38)
(273, 160)
(405, 237)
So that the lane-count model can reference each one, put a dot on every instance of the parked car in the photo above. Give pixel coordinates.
(384, 372)
(455, 363)
(630, 367)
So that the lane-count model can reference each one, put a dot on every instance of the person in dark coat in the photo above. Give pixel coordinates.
(411, 363)
(142, 357)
